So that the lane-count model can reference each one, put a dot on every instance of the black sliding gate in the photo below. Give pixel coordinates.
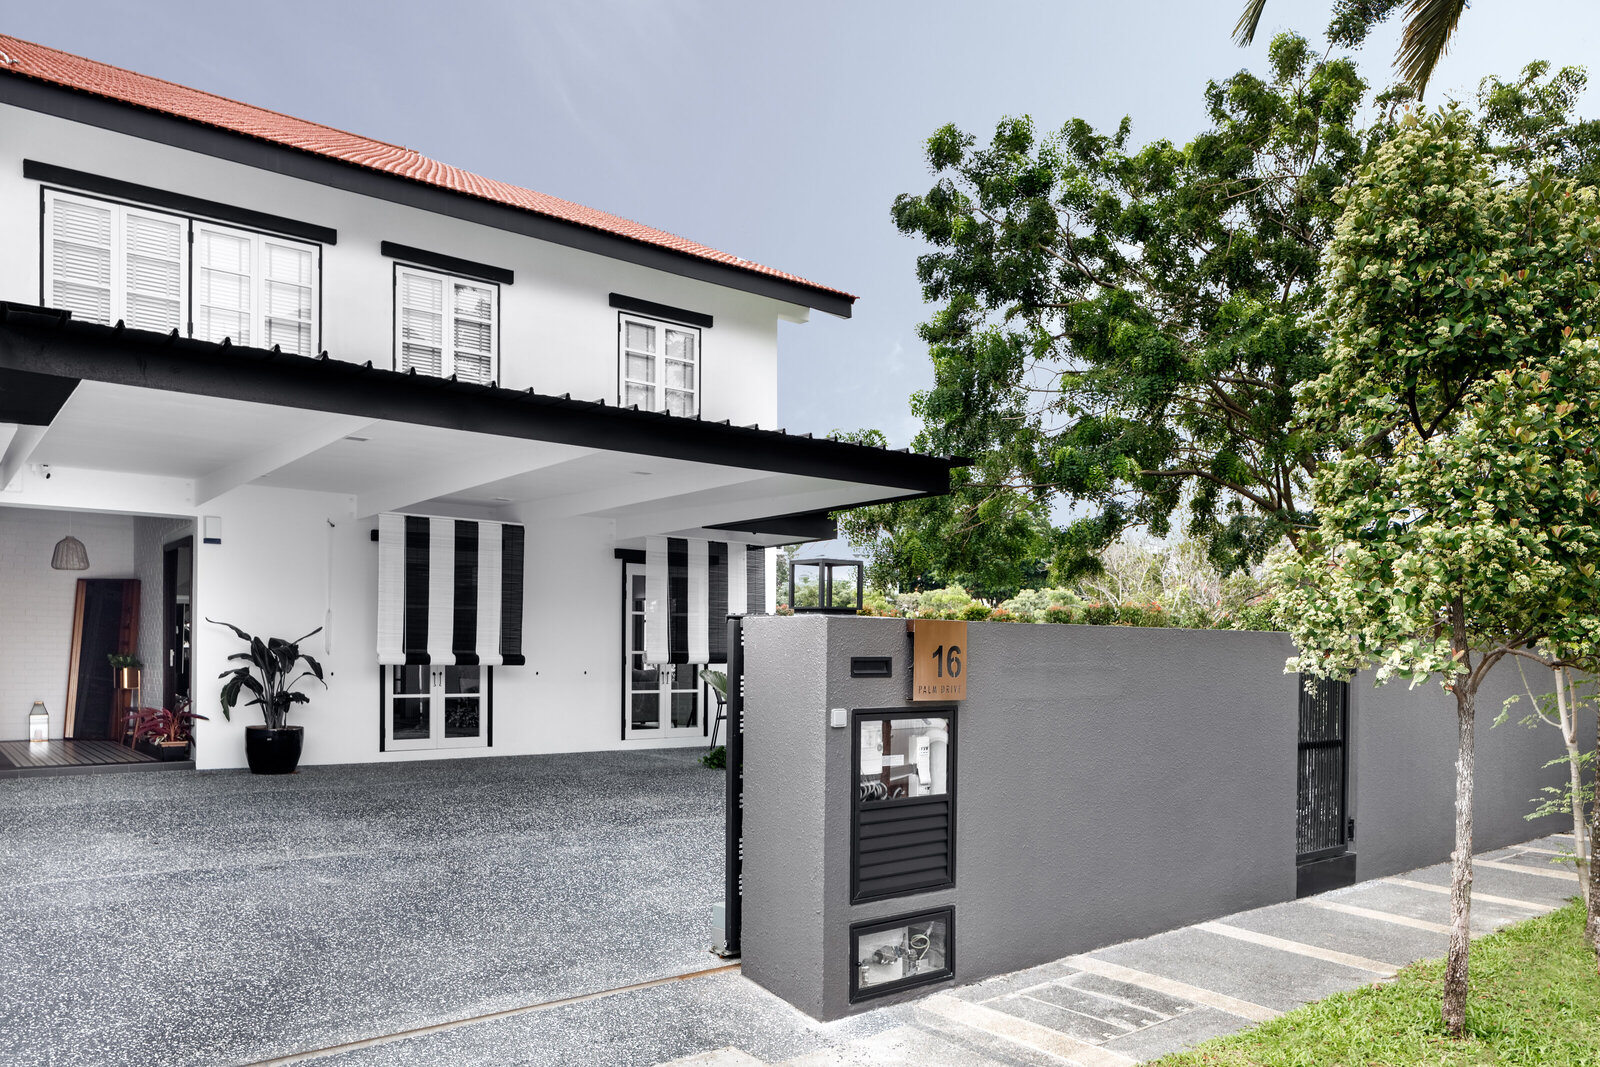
(1323, 825)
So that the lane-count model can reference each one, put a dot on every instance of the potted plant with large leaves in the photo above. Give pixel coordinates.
(267, 671)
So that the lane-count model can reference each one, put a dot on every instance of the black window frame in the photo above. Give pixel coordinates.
(857, 804)
(947, 913)
(661, 356)
(398, 264)
(235, 221)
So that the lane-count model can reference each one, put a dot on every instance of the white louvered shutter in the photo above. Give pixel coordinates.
(223, 288)
(288, 296)
(419, 310)
(473, 332)
(80, 256)
(153, 270)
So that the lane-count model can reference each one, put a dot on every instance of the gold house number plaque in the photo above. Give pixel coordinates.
(938, 660)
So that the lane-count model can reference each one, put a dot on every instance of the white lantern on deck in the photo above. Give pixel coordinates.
(38, 723)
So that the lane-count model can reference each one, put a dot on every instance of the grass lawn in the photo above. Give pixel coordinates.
(1535, 1000)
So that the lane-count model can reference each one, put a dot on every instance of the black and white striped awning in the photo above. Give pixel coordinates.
(449, 591)
(691, 585)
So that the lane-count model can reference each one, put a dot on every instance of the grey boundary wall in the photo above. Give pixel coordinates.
(1111, 783)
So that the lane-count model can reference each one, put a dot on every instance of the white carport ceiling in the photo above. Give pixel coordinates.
(220, 443)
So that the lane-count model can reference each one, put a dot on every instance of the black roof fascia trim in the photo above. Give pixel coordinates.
(78, 105)
(629, 555)
(51, 174)
(659, 311)
(449, 264)
(33, 399)
(813, 526)
(49, 342)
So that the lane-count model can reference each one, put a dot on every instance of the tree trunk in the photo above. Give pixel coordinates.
(1454, 1008)
(1567, 707)
(1592, 927)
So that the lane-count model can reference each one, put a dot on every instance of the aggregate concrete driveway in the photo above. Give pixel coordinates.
(184, 919)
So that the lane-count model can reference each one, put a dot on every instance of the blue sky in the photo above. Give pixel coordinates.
(779, 132)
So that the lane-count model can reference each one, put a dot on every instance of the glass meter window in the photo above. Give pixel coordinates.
(901, 759)
(900, 953)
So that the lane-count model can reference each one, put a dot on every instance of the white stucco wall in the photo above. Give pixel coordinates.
(558, 332)
(36, 605)
(281, 570)
(150, 538)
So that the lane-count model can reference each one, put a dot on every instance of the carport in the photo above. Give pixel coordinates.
(228, 919)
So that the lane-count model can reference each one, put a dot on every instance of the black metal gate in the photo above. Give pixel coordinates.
(733, 831)
(1322, 828)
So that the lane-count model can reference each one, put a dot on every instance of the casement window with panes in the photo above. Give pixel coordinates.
(106, 262)
(659, 365)
(445, 326)
(254, 289)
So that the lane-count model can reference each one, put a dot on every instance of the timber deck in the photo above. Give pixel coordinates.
(23, 759)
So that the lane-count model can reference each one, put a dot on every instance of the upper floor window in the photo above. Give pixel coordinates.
(446, 325)
(659, 366)
(254, 289)
(106, 261)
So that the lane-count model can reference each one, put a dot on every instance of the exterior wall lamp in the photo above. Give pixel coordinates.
(837, 579)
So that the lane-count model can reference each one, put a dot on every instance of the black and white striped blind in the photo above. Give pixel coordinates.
(691, 586)
(449, 591)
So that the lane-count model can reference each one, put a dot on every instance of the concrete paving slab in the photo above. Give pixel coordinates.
(1125, 1016)
(1501, 882)
(1153, 1001)
(1176, 1034)
(1278, 980)
(1531, 907)
(1344, 933)
(1075, 1024)
(1015, 982)
(1385, 896)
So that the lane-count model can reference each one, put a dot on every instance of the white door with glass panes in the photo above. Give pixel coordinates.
(435, 707)
(662, 700)
(660, 366)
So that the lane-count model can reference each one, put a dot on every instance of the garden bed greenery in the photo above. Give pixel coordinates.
(1535, 1000)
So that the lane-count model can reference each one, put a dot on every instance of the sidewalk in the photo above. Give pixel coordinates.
(1115, 1006)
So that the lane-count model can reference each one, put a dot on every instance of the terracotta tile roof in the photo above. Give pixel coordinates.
(113, 83)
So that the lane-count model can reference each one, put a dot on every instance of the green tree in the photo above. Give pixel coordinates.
(1462, 521)
(1124, 327)
(1429, 26)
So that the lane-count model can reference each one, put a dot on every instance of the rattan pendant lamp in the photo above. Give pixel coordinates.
(70, 555)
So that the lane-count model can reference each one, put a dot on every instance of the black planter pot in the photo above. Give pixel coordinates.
(273, 751)
(168, 753)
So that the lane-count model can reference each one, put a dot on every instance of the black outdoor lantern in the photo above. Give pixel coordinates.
(836, 581)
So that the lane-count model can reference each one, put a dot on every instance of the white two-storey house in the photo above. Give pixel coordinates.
(516, 457)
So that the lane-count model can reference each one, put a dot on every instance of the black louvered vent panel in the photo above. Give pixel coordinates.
(903, 848)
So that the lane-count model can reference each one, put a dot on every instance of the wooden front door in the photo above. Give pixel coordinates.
(105, 621)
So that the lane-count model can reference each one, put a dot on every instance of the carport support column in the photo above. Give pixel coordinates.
(733, 873)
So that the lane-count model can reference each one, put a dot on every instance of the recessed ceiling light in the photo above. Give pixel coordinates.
(645, 473)
(502, 500)
(353, 437)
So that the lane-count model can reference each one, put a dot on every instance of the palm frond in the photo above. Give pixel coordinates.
(1244, 31)
(1429, 26)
